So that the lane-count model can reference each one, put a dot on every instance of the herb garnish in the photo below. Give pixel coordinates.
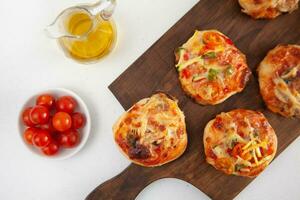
(209, 55)
(212, 74)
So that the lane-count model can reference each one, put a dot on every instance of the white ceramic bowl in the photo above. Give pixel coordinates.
(84, 132)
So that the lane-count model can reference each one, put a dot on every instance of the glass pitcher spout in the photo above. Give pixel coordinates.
(58, 27)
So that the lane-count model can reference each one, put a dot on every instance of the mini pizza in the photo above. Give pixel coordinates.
(267, 9)
(279, 80)
(240, 142)
(152, 132)
(211, 68)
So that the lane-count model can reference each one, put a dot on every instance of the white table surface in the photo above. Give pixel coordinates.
(30, 62)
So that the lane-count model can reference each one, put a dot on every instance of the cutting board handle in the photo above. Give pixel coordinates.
(127, 185)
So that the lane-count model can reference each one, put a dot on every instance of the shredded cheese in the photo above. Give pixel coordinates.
(247, 145)
(163, 136)
(254, 156)
(219, 152)
(292, 73)
(242, 161)
(258, 153)
(262, 161)
(245, 170)
(254, 146)
(249, 127)
(183, 65)
(283, 93)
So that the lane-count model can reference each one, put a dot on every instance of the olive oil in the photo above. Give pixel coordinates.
(98, 42)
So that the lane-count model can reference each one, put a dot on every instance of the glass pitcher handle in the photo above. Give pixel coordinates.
(103, 7)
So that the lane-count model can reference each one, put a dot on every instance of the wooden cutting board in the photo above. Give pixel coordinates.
(155, 71)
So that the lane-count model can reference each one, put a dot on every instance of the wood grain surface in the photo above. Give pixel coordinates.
(155, 70)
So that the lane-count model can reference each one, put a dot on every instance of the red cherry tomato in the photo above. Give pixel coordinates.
(42, 138)
(66, 104)
(62, 121)
(69, 139)
(39, 115)
(55, 135)
(212, 38)
(78, 120)
(48, 126)
(29, 133)
(51, 149)
(45, 100)
(26, 117)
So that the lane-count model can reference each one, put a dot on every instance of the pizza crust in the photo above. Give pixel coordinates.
(240, 142)
(210, 68)
(279, 80)
(267, 9)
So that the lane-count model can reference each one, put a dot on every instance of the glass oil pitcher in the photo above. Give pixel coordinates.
(86, 33)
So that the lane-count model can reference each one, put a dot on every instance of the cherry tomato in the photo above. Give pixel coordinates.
(51, 149)
(29, 133)
(42, 138)
(62, 121)
(39, 115)
(48, 126)
(55, 135)
(26, 117)
(66, 104)
(212, 38)
(69, 139)
(45, 100)
(78, 120)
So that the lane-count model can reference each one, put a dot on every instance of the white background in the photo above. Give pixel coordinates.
(30, 62)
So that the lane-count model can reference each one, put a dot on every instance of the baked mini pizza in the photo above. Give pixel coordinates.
(279, 80)
(240, 142)
(152, 132)
(211, 68)
(267, 9)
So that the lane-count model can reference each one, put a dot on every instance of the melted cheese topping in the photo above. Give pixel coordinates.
(152, 132)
